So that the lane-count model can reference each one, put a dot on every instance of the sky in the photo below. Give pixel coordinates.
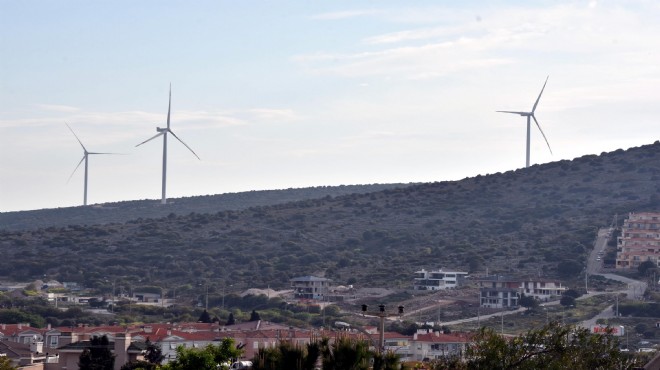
(289, 94)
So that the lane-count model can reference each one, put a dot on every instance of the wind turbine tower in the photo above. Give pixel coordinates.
(530, 115)
(85, 158)
(164, 132)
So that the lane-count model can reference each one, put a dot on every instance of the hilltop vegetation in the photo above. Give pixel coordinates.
(539, 220)
(134, 209)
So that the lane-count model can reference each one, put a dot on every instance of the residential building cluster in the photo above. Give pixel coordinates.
(639, 240)
(504, 292)
(60, 348)
(494, 291)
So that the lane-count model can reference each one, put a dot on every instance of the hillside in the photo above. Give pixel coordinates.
(131, 210)
(523, 222)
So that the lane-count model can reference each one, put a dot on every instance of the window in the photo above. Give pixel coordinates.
(53, 341)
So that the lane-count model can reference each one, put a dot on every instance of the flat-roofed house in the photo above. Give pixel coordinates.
(437, 279)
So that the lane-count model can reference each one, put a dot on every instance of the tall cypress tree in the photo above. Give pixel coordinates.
(204, 317)
(97, 356)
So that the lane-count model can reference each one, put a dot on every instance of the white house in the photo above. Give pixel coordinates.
(435, 345)
(437, 279)
(543, 290)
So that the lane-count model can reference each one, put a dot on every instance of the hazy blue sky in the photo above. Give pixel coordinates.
(283, 94)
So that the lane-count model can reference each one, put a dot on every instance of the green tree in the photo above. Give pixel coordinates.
(254, 316)
(645, 266)
(5, 363)
(572, 293)
(225, 351)
(15, 316)
(191, 359)
(153, 353)
(230, 319)
(287, 356)
(528, 302)
(207, 358)
(386, 361)
(567, 301)
(268, 359)
(345, 354)
(567, 269)
(139, 365)
(552, 347)
(97, 356)
(204, 317)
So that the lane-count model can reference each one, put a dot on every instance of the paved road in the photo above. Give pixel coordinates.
(593, 265)
(483, 317)
(635, 288)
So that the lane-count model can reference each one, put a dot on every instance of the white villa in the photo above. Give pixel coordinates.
(437, 279)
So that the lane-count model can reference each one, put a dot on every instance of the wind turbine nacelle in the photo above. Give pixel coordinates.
(158, 129)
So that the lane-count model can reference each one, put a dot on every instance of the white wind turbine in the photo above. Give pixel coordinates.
(164, 132)
(531, 115)
(85, 158)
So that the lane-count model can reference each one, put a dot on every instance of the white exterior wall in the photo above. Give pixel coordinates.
(437, 279)
(542, 290)
(421, 350)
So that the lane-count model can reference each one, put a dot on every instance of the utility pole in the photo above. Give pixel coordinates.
(382, 314)
(617, 306)
(502, 312)
(112, 308)
(586, 280)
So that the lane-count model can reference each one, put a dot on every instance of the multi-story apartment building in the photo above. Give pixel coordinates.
(542, 290)
(504, 292)
(437, 279)
(639, 240)
(499, 292)
(310, 287)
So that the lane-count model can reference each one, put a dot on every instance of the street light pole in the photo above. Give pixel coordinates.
(112, 308)
(502, 316)
(224, 288)
(381, 314)
(617, 305)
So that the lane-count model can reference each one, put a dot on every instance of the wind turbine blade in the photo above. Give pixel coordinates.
(169, 106)
(103, 153)
(546, 139)
(193, 152)
(74, 134)
(151, 138)
(75, 169)
(508, 111)
(539, 98)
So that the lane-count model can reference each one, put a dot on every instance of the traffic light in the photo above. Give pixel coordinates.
(382, 308)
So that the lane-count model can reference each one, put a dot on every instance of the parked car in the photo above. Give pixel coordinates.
(241, 365)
